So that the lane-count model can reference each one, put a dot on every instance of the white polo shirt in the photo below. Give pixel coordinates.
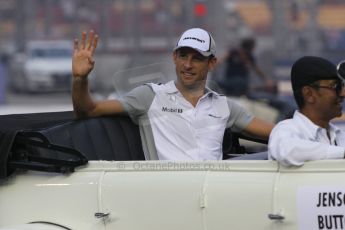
(174, 129)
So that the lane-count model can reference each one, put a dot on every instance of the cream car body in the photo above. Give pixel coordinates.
(255, 194)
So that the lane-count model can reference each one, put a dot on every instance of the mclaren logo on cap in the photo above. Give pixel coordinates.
(193, 38)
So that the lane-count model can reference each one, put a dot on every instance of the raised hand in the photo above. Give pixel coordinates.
(82, 60)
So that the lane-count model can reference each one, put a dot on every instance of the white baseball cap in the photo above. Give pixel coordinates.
(198, 39)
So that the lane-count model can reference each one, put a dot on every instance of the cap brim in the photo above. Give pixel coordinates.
(203, 53)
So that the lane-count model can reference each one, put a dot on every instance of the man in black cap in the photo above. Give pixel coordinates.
(309, 135)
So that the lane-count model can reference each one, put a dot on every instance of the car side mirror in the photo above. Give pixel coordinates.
(341, 70)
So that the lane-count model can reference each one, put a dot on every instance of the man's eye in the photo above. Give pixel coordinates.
(197, 58)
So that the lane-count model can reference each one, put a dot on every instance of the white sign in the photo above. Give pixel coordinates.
(321, 208)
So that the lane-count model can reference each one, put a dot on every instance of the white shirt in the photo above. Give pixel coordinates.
(184, 132)
(175, 129)
(294, 141)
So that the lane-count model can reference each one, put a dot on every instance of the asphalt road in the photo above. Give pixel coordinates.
(40, 102)
(38, 98)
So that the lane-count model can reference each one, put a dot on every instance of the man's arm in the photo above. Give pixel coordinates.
(259, 128)
(241, 120)
(290, 145)
(82, 65)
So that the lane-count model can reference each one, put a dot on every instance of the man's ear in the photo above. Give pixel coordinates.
(308, 94)
(212, 63)
(174, 56)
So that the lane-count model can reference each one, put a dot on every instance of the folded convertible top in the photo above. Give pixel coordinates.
(11, 124)
(103, 138)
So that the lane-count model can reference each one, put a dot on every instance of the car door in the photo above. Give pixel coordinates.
(152, 195)
(195, 195)
(242, 197)
(69, 200)
(311, 196)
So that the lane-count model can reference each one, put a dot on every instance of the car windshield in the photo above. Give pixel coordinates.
(50, 53)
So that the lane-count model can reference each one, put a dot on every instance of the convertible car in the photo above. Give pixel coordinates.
(60, 173)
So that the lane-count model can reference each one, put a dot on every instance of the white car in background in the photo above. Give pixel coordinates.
(44, 66)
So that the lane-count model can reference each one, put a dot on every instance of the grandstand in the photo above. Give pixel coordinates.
(258, 16)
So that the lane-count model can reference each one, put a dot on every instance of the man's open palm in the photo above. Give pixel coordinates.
(82, 61)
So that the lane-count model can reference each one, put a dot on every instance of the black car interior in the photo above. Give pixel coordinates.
(57, 142)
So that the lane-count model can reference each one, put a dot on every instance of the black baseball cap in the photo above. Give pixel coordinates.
(309, 69)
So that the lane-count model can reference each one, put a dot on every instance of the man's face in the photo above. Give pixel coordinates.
(328, 101)
(192, 67)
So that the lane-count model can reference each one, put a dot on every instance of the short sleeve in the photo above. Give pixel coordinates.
(239, 117)
(138, 101)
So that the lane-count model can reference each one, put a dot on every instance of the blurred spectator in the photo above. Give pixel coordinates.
(3, 78)
(238, 64)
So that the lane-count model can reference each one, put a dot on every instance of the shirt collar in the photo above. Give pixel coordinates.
(334, 128)
(307, 123)
(173, 90)
(313, 128)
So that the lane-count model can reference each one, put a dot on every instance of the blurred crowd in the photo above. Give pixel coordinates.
(283, 30)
